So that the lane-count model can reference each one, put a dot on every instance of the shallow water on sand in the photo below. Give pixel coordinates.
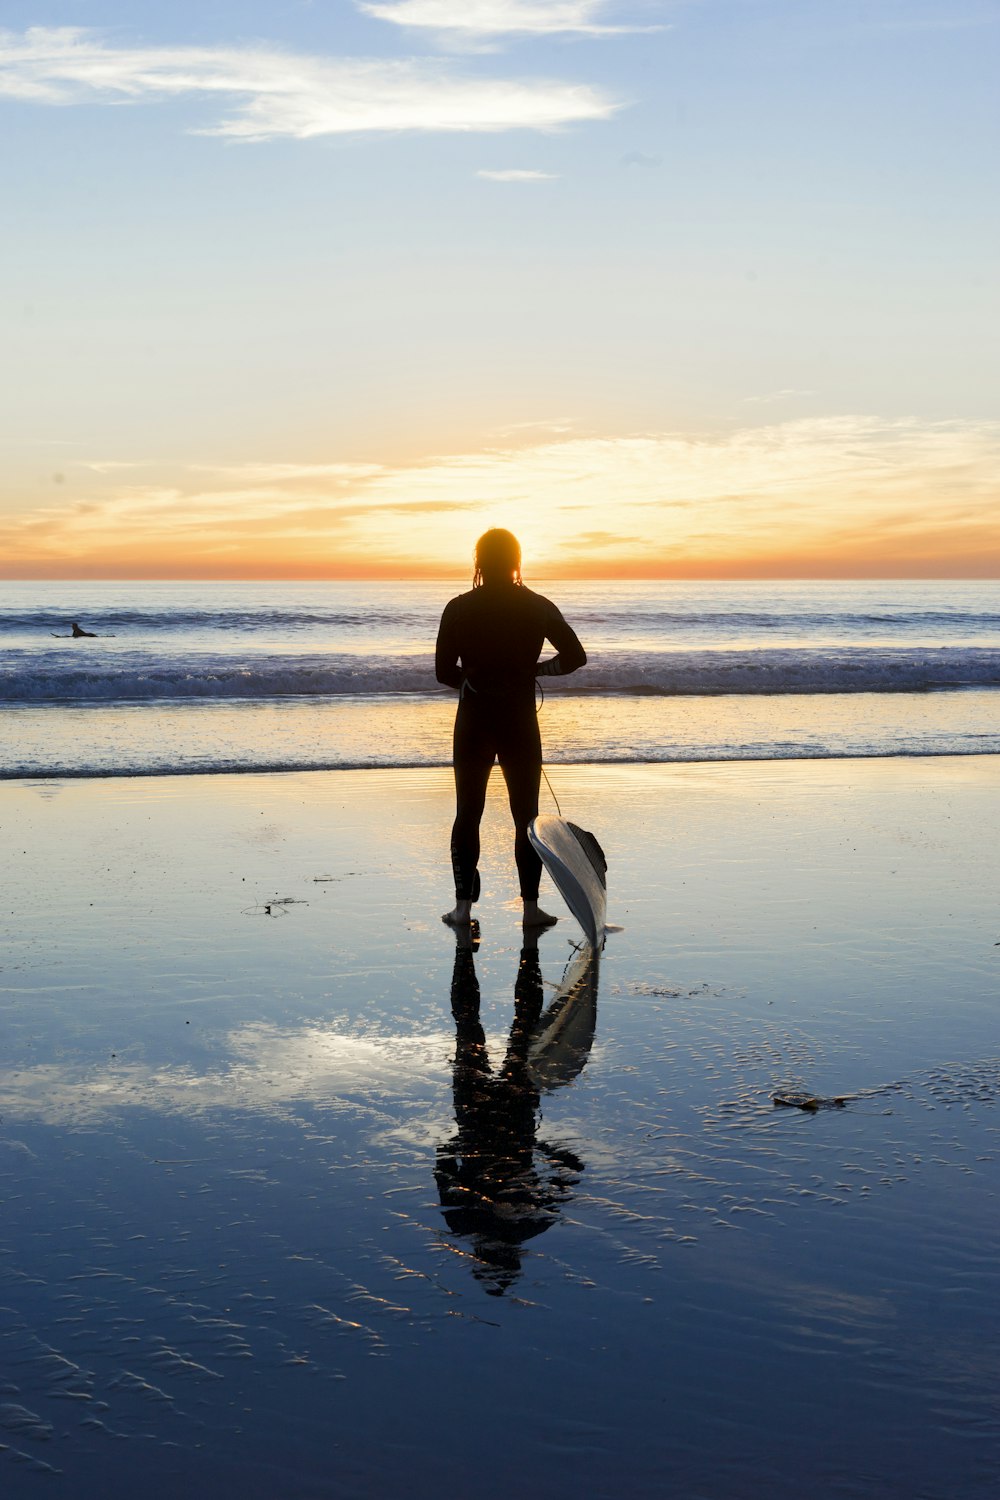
(243, 1249)
(393, 732)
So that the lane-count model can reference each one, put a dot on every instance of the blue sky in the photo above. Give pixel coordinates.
(356, 250)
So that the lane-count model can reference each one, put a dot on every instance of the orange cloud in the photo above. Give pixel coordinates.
(834, 497)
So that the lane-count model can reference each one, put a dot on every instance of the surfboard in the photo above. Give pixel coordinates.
(563, 1035)
(576, 862)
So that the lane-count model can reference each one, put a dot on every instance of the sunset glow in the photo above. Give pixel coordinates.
(848, 497)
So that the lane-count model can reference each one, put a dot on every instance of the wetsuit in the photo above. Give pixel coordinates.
(488, 647)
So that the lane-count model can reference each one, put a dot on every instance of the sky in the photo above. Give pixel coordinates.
(671, 288)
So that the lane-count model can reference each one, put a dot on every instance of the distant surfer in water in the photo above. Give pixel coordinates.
(77, 633)
(488, 646)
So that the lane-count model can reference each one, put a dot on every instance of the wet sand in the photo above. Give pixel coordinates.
(248, 1240)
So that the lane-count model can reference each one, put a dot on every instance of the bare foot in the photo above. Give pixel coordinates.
(460, 914)
(535, 917)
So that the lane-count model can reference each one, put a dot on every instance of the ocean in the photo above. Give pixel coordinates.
(223, 677)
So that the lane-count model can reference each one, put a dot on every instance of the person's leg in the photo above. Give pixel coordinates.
(520, 755)
(529, 998)
(473, 759)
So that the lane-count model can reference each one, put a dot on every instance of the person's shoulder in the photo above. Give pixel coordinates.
(457, 602)
(544, 606)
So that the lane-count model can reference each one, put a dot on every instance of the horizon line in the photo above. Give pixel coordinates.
(559, 577)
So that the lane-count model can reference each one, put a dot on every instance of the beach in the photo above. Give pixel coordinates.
(229, 1113)
(398, 391)
(589, 396)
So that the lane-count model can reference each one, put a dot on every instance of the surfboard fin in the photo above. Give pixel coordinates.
(592, 850)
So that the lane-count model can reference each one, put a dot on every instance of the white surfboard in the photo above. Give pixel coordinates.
(563, 1035)
(576, 862)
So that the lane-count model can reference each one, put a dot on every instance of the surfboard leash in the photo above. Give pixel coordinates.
(549, 785)
(538, 709)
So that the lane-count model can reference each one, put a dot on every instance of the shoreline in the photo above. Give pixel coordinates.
(308, 769)
(209, 738)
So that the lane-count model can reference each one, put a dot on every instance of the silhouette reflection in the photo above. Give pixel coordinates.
(499, 1185)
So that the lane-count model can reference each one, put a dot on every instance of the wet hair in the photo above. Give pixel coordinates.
(498, 553)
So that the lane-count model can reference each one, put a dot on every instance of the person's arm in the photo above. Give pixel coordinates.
(570, 654)
(446, 667)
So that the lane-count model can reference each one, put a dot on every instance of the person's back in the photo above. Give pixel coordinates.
(497, 632)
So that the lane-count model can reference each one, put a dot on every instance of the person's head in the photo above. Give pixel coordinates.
(498, 558)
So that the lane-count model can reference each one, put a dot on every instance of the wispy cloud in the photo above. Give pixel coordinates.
(115, 465)
(278, 94)
(640, 159)
(484, 19)
(949, 17)
(556, 425)
(339, 474)
(788, 393)
(516, 174)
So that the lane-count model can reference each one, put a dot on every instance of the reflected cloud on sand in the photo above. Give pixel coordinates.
(263, 1068)
(500, 1185)
(266, 1068)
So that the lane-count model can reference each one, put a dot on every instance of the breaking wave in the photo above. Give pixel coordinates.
(115, 676)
